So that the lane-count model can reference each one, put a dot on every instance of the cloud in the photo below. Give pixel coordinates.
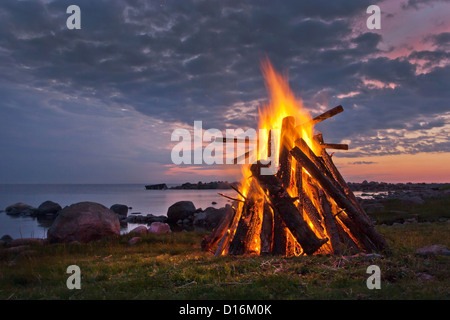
(138, 69)
(361, 162)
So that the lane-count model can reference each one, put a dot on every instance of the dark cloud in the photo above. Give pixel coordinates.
(176, 62)
(416, 4)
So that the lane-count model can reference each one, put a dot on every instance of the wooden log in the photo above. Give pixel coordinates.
(342, 201)
(249, 227)
(229, 234)
(330, 225)
(280, 236)
(267, 229)
(313, 212)
(286, 144)
(318, 162)
(211, 240)
(338, 146)
(338, 177)
(328, 114)
(282, 245)
(285, 207)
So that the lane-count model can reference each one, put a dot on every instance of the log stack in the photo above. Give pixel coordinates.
(305, 208)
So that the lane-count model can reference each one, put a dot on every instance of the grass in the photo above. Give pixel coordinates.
(172, 266)
(396, 210)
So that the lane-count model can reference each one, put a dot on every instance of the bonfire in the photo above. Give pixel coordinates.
(306, 207)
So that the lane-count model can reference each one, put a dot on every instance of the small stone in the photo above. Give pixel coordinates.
(424, 276)
(134, 240)
(436, 249)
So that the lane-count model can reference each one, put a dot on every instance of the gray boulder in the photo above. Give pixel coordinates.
(180, 211)
(120, 209)
(49, 208)
(211, 217)
(84, 222)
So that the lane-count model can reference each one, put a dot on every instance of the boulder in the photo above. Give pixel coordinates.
(139, 230)
(414, 200)
(84, 222)
(49, 208)
(180, 211)
(120, 209)
(20, 208)
(6, 238)
(159, 227)
(211, 217)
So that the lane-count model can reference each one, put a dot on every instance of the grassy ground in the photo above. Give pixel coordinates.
(173, 267)
(398, 211)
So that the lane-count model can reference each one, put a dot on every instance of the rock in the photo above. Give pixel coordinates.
(410, 220)
(84, 222)
(17, 248)
(213, 202)
(20, 208)
(139, 230)
(120, 209)
(159, 227)
(211, 217)
(49, 208)
(415, 200)
(26, 241)
(160, 186)
(134, 240)
(435, 249)
(422, 276)
(6, 238)
(180, 211)
(150, 218)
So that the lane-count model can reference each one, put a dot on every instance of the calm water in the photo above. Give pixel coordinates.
(143, 201)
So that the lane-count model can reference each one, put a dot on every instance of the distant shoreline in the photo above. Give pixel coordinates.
(194, 186)
(355, 186)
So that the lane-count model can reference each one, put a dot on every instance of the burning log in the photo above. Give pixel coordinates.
(267, 229)
(338, 177)
(285, 158)
(337, 146)
(306, 207)
(282, 244)
(364, 227)
(283, 206)
(218, 233)
(248, 229)
(330, 225)
(328, 114)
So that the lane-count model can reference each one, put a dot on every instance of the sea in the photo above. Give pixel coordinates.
(141, 201)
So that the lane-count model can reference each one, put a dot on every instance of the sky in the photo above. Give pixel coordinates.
(99, 104)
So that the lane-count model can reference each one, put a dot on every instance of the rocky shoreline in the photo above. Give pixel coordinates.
(183, 215)
(87, 221)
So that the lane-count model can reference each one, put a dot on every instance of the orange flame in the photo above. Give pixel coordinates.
(283, 103)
